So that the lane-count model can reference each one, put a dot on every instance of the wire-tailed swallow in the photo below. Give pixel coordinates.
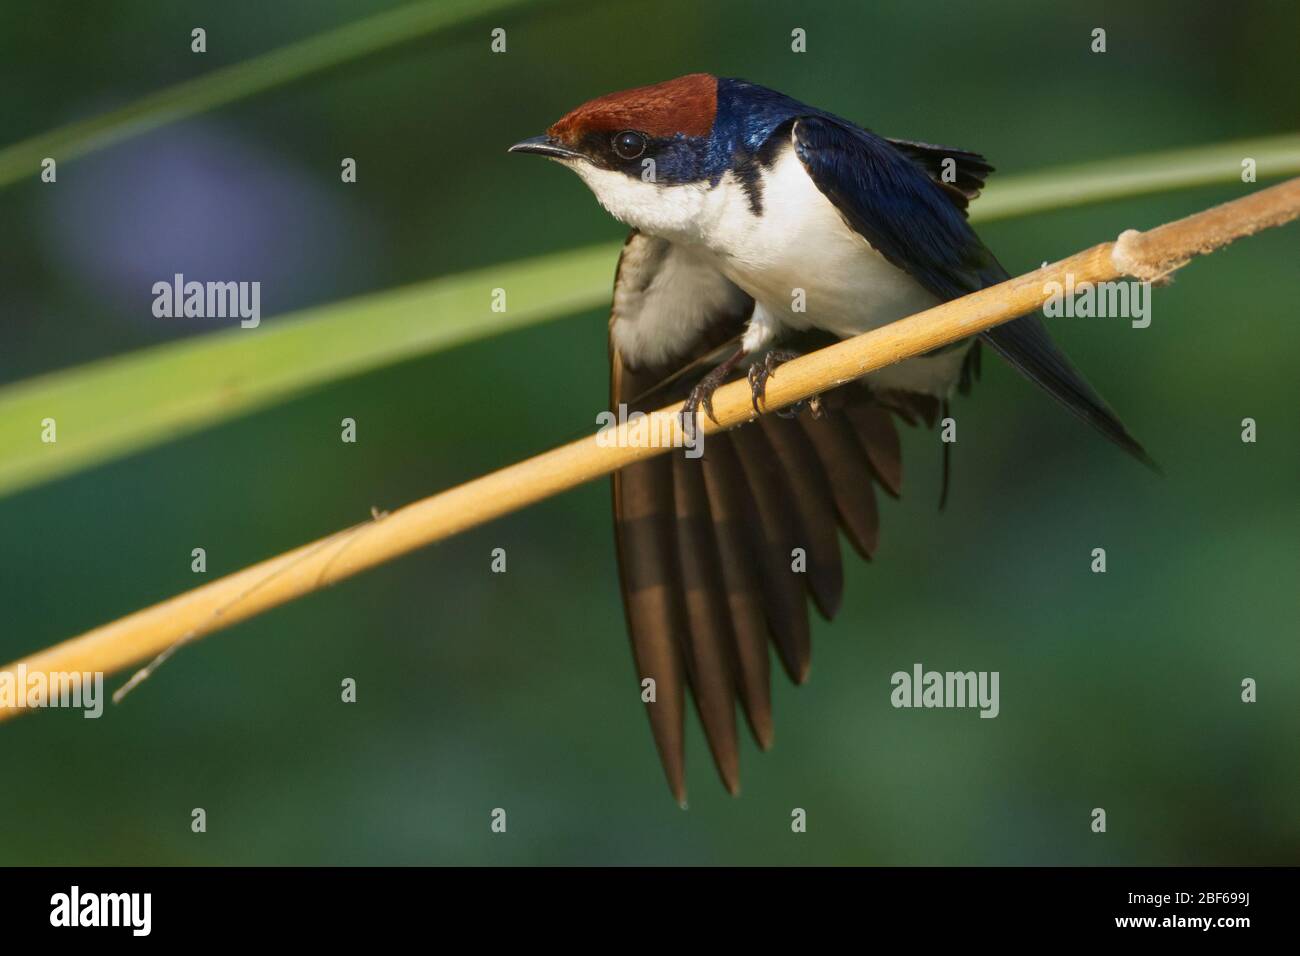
(760, 225)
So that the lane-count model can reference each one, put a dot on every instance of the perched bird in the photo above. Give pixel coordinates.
(760, 225)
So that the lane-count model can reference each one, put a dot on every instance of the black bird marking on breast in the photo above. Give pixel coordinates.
(748, 166)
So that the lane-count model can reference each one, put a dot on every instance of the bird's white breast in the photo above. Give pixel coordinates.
(801, 260)
(806, 267)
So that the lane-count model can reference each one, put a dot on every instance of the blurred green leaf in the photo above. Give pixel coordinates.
(289, 63)
(1065, 186)
(113, 407)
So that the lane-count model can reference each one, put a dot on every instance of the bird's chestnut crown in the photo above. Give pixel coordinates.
(619, 131)
(631, 147)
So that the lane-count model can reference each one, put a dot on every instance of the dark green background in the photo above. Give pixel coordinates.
(479, 690)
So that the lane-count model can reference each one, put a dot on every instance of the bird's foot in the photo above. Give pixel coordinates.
(702, 394)
(760, 372)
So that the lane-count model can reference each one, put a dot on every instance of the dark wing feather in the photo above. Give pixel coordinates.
(705, 545)
(886, 192)
(1027, 346)
(774, 535)
(845, 458)
(644, 532)
(731, 510)
(809, 489)
(710, 641)
(959, 172)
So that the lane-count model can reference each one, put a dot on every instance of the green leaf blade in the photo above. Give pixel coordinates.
(239, 81)
(110, 408)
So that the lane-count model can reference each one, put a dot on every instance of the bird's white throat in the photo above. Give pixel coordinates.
(670, 212)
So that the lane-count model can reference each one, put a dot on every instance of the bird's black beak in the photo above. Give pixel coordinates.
(545, 146)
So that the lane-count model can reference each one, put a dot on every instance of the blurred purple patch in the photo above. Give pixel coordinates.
(196, 199)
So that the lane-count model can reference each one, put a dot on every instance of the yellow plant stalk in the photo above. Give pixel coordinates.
(155, 630)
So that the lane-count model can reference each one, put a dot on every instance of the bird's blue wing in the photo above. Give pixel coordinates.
(896, 202)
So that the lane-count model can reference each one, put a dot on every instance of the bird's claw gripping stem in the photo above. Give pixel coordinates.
(702, 394)
(760, 372)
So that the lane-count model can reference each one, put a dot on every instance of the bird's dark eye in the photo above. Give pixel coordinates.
(629, 144)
